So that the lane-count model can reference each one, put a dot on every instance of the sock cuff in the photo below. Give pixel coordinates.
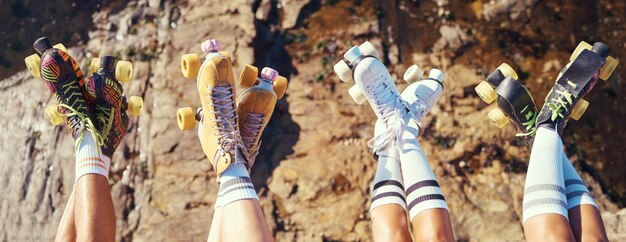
(89, 158)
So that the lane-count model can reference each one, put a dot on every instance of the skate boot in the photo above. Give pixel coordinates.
(374, 84)
(565, 100)
(64, 79)
(109, 103)
(256, 105)
(219, 129)
(515, 102)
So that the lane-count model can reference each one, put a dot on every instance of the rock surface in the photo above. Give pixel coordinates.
(314, 172)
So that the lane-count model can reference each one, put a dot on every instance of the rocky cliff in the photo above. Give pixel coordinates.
(314, 171)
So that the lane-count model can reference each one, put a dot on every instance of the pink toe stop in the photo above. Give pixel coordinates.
(210, 46)
(269, 74)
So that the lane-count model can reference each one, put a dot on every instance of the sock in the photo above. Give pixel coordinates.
(422, 191)
(235, 185)
(89, 159)
(544, 189)
(388, 187)
(576, 191)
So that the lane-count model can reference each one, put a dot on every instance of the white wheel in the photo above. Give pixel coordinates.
(357, 95)
(368, 48)
(343, 71)
(436, 74)
(413, 74)
(352, 54)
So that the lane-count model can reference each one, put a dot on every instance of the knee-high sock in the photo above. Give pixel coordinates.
(235, 185)
(388, 187)
(422, 190)
(576, 190)
(544, 189)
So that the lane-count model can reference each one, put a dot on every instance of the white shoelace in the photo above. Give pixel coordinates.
(249, 132)
(395, 113)
(228, 137)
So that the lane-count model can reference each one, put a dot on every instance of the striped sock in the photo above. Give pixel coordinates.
(422, 192)
(235, 185)
(89, 159)
(544, 189)
(576, 190)
(388, 187)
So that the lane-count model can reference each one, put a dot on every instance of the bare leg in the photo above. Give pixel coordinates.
(215, 233)
(548, 227)
(433, 225)
(389, 223)
(67, 227)
(94, 209)
(243, 220)
(586, 223)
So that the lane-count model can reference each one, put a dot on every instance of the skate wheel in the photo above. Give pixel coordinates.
(93, 66)
(135, 105)
(280, 86)
(579, 49)
(608, 68)
(248, 75)
(60, 47)
(486, 92)
(343, 71)
(52, 112)
(579, 109)
(357, 95)
(190, 65)
(413, 74)
(507, 70)
(186, 118)
(226, 55)
(32, 63)
(123, 71)
(498, 118)
(368, 48)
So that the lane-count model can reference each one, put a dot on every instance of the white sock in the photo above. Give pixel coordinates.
(89, 159)
(422, 190)
(388, 187)
(544, 189)
(575, 189)
(235, 185)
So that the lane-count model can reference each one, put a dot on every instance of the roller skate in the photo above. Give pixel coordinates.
(256, 105)
(565, 100)
(219, 127)
(515, 102)
(64, 79)
(109, 102)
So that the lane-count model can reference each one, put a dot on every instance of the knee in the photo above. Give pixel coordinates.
(390, 224)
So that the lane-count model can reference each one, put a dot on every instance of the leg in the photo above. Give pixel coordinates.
(389, 223)
(427, 207)
(67, 226)
(215, 233)
(584, 216)
(545, 203)
(94, 209)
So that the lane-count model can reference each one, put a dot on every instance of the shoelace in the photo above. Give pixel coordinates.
(224, 109)
(530, 124)
(103, 119)
(89, 126)
(560, 103)
(395, 113)
(250, 131)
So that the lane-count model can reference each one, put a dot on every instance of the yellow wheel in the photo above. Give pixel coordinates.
(135, 105)
(60, 47)
(32, 63)
(93, 66)
(190, 65)
(368, 48)
(186, 118)
(579, 49)
(123, 71)
(248, 75)
(579, 109)
(52, 112)
(486, 92)
(498, 118)
(608, 68)
(357, 95)
(226, 54)
(280, 86)
(507, 70)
